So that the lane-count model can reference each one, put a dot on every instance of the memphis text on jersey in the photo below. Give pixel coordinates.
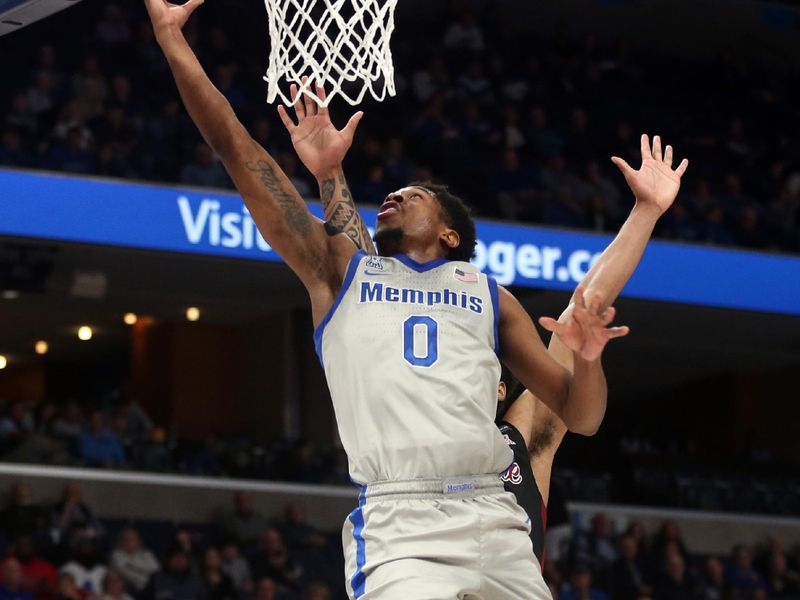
(375, 291)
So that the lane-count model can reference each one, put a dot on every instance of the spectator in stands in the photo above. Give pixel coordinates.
(272, 560)
(186, 539)
(741, 575)
(73, 513)
(265, 589)
(236, 567)
(676, 583)
(667, 538)
(581, 586)
(39, 576)
(596, 548)
(205, 170)
(318, 591)
(99, 446)
(781, 582)
(67, 589)
(15, 426)
(85, 566)
(21, 516)
(220, 586)
(297, 533)
(628, 575)
(516, 187)
(243, 524)
(464, 34)
(176, 582)
(11, 587)
(713, 586)
(135, 563)
(69, 425)
(114, 586)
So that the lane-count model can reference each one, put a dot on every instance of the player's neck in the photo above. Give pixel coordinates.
(391, 242)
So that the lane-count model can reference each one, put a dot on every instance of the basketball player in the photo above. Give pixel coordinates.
(409, 341)
(530, 428)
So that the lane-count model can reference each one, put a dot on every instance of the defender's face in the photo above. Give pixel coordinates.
(411, 209)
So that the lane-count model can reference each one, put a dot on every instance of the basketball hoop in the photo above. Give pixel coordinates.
(342, 45)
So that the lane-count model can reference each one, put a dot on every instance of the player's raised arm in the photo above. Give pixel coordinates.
(322, 148)
(655, 187)
(278, 210)
(572, 396)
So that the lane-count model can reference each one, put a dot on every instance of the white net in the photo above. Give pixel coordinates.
(342, 44)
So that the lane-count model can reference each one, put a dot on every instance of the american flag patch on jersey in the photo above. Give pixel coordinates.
(460, 275)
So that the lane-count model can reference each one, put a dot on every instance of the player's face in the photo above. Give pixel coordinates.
(411, 209)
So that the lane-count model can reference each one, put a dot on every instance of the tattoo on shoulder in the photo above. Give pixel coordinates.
(297, 216)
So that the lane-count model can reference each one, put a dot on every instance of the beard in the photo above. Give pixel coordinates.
(388, 241)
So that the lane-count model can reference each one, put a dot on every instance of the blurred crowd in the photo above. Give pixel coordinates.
(523, 135)
(632, 468)
(64, 551)
(599, 564)
(120, 435)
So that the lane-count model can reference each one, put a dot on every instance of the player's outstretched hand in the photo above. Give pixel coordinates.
(166, 15)
(656, 183)
(317, 142)
(588, 331)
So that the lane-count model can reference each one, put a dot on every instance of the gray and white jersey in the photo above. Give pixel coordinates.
(409, 352)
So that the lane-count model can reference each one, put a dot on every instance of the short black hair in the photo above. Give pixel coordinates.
(458, 217)
(513, 391)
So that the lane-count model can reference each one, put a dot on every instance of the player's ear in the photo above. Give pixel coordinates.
(501, 391)
(450, 238)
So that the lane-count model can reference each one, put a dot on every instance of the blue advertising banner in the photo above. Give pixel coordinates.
(217, 223)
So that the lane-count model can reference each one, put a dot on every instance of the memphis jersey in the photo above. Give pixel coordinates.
(409, 352)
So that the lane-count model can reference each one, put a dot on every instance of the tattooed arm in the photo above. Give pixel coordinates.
(341, 215)
(322, 149)
(280, 213)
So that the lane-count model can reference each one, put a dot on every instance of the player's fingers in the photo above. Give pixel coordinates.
(645, 143)
(299, 109)
(579, 299)
(310, 105)
(550, 324)
(287, 120)
(595, 301)
(657, 153)
(191, 5)
(323, 108)
(623, 166)
(668, 156)
(682, 167)
(609, 314)
(352, 124)
(617, 332)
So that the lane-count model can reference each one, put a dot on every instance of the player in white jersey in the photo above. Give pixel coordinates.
(529, 427)
(433, 522)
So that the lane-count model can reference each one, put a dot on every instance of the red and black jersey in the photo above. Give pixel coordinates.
(519, 480)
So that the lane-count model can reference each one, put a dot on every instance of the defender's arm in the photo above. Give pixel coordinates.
(578, 398)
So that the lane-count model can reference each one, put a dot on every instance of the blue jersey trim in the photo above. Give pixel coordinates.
(348, 279)
(496, 307)
(420, 267)
(359, 579)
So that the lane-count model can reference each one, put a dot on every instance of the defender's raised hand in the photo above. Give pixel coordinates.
(318, 143)
(588, 331)
(166, 15)
(656, 183)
